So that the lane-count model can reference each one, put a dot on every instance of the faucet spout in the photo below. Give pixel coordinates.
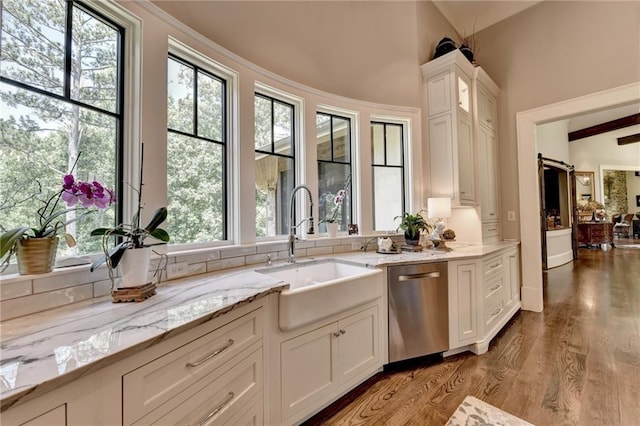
(292, 226)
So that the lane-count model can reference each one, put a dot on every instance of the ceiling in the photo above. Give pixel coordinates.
(600, 117)
(469, 16)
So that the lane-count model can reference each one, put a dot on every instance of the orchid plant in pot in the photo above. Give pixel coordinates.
(131, 253)
(332, 220)
(36, 246)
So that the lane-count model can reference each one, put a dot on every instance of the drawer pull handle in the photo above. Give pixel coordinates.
(491, 229)
(226, 346)
(495, 265)
(492, 214)
(495, 287)
(488, 120)
(410, 277)
(496, 312)
(216, 410)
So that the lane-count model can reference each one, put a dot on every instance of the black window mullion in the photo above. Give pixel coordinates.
(384, 143)
(273, 125)
(67, 50)
(195, 100)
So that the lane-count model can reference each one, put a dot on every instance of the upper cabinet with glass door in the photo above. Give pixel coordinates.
(449, 102)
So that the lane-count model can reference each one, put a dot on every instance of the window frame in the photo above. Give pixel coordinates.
(128, 30)
(294, 142)
(354, 157)
(374, 165)
(224, 144)
(231, 122)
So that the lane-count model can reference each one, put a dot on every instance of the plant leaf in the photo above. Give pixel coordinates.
(115, 254)
(9, 238)
(160, 234)
(68, 238)
(112, 231)
(159, 216)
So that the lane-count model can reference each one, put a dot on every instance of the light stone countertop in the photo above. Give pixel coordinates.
(43, 351)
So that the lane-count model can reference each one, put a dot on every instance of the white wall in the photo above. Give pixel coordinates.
(158, 27)
(552, 52)
(588, 154)
(552, 141)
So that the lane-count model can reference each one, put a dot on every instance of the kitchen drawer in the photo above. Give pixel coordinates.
(55, 417)
(490, 231)
(153, 384)
(493, 288)
(492, 266)
(493, 312)
(217, 398)
(250, 415)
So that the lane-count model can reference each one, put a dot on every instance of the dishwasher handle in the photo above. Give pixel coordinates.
(410, 277)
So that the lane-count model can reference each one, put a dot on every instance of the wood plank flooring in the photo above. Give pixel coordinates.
(576, 363)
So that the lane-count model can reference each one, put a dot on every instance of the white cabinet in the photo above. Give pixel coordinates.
(487, 104)
(463, 303)
(486, 126)
(208, 378)
(487, 176)
(483, 296)
(461, 115)
(318, 364)
(447, 82)
(210, 374)
(512, 298)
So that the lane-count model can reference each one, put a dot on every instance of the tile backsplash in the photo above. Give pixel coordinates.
(27, 294)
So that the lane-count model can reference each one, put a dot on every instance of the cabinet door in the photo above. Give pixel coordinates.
(487, 108)
(487, 175)
(466, 163)
(441, 157)
(463, 303)
(308, 370)
(357, 343)
(439, 93)
(513, 284)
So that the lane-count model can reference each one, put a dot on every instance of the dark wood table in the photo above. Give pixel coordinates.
(595, 233)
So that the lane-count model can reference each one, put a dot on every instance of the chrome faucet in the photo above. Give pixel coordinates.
(292, 227)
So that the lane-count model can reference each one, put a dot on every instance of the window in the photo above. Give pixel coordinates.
(275, 164)
(196, 153)
(387, 153)
(61, 94)
(333, 134)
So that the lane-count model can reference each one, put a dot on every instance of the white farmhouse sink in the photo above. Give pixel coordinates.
(321, 288)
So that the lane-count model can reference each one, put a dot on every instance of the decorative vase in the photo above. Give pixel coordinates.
(332, 229)
(36, 255)
(134, 267)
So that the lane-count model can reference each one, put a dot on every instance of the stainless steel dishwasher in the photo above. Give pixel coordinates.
(418, 310)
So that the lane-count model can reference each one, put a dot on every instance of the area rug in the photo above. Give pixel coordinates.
(474, 412)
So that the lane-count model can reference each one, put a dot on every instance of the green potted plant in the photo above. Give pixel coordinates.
(412, 225)
(36, 246)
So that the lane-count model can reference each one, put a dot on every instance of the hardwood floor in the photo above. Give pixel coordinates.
(576, 363)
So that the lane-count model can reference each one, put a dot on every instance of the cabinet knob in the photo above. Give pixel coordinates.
(336, 334)
(488, 120)
(342, 331)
